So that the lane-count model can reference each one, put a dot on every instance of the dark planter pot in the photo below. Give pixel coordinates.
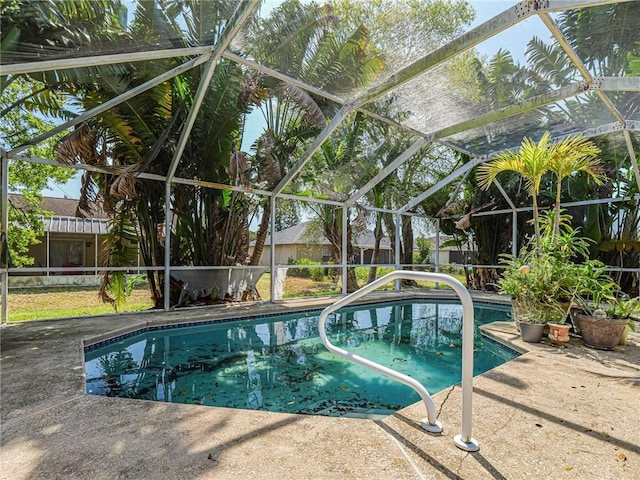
(531, 332)
(600, 333)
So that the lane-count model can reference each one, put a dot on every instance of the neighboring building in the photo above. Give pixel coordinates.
(69, 240)
(296, 242)
(449, 254)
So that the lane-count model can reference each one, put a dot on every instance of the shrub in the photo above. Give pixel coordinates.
(316, 274)
(362, 273)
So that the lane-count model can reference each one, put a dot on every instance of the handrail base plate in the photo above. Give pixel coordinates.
(470, 446)
(436, 428)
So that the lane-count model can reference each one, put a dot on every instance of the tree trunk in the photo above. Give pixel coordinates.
(407, 237)
(333, 233)
(407, 251)
(391, 229)
(261, 236)
(373, 271)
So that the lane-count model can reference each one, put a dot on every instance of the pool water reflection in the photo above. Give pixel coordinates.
(278, 363)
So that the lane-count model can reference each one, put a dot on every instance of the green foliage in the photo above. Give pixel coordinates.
(18, 125)
(120, 250)
(597, 294)
(543, 279)
(622, 306)
(316, 274)
(533, 160)
(426, 24)
(424, 251)
(362, 273)
(536, 283)
(287, 214)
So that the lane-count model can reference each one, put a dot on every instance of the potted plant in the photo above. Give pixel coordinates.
(602, 311)
(541, 280)
(535, 284)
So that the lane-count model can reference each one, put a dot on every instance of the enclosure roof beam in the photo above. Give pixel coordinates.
(112, 103)
(317, 143)
(454, 194)
(632, 156)
(504, 195)
(588, 133)
(388, 170)
(632, 125)
(281, 76)
(233, 26)
(470, 39)
(95, 60)
(617, 84)
(562, 5)
(143, 175)
(514, 109)
(597, 201)
(441, 184)
(300, 198)
(577, 61)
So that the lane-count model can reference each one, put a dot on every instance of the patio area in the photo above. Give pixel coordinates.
(551, 413)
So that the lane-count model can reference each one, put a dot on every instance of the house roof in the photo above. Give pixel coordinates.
(299, 235)
(58, 224)
(64, 207)
(64, 219)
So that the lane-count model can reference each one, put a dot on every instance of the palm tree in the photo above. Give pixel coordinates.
(531, 161)
(139, 136)
(303, 41)
(602, 49)
(571, 155)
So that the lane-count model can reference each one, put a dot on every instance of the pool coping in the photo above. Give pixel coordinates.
(98, 341)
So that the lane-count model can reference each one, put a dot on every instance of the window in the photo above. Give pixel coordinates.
(66, 253)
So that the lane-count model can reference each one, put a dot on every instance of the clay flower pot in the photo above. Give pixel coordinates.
(600, 333)
(559, 333)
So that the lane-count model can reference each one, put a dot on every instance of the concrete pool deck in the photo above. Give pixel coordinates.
(551, 413)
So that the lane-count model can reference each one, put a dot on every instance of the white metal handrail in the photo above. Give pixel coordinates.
(464, 440)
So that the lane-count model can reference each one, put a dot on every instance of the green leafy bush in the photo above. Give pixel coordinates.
(362, 273)
(316, 274)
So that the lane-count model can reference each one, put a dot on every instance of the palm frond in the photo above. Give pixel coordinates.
(119, 250)
(81, 146)
(313, 113)
(550, 62)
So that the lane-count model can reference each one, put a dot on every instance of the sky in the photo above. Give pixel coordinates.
(515, 40)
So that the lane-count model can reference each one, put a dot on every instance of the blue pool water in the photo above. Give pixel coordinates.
(278, 363)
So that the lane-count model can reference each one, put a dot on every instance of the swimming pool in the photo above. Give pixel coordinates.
(278, 363)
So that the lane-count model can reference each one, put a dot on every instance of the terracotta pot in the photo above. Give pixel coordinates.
(600, 333)
(559, 333)
(531, 332)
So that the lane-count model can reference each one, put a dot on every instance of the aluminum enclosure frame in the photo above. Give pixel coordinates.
(211, 54)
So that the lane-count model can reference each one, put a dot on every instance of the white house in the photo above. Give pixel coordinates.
(298, 242)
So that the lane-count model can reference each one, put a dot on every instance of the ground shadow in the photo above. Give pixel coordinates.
(560, 421)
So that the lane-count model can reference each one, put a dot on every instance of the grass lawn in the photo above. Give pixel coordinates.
(298, 287)
(40, 303)
(61, 302)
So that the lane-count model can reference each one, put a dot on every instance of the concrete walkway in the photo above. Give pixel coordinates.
(552, 413)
